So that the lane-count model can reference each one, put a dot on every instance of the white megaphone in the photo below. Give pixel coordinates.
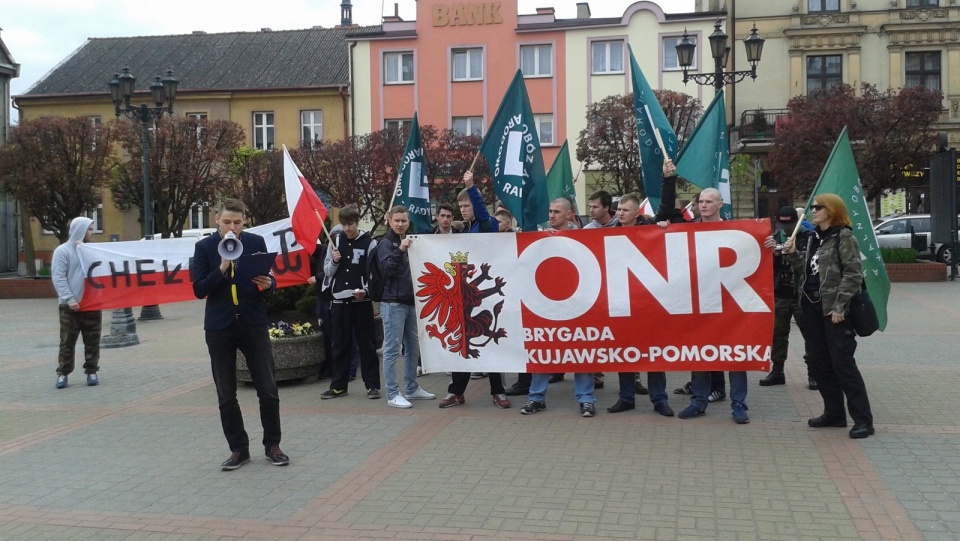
(230, 247)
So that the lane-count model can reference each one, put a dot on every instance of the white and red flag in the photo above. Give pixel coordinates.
(646, 208)
(688, 214)
(307, 212)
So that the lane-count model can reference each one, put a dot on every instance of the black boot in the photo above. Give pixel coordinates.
(774, 378)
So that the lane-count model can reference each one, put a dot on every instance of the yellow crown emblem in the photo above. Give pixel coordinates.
(459, 257)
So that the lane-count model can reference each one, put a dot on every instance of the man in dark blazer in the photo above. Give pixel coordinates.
(236, 319)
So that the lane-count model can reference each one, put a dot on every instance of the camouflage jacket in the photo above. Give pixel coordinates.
(839, 279)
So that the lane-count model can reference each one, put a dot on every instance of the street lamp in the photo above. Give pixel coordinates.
(163, 92)
(719, 51)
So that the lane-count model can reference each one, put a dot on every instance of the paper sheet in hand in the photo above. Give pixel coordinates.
(248, 267)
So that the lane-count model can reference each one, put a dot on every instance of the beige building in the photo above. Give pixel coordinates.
(9, 239)
(283, 88)
(811, 44)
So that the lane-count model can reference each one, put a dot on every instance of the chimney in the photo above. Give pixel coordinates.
(545, 11)
(395, 18)
(583, 10)
(346, 13)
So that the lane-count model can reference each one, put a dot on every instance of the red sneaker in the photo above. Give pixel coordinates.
(452, 400)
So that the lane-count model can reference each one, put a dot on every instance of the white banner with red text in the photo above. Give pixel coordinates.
(147, 272)
(627, 299)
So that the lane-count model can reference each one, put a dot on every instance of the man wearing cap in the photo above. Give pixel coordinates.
(785, 297)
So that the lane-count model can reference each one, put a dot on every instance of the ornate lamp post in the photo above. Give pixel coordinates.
(163, 92)
(719, 51)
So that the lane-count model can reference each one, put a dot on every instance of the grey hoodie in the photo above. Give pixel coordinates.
(66, 270)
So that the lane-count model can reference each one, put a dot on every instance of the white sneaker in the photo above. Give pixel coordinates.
(421, 394)
(399, 402)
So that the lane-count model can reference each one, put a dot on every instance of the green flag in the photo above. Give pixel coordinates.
(413, 189)
(512, 149)
(560, 178)
(840, 177)
(705, 158)
(649, 117)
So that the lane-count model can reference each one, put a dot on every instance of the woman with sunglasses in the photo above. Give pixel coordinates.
(832, 274)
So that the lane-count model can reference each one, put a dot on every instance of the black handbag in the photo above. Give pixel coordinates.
(863, 315)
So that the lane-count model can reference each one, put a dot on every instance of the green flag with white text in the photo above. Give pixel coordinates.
(560, 178)
(413, 190)
(840, 177)
(650, 118)
(704, 159)
(511, 147)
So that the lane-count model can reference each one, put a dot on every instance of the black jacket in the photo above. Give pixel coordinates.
(394, 267)
(210, 283)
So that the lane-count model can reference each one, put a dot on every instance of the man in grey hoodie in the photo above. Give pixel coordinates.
(68, 278)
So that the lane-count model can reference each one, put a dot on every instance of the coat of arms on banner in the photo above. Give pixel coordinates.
(451, 295)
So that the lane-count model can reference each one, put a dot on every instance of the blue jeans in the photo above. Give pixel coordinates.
(582, 387)
(399, 328)
(656, 382)
(700, 382)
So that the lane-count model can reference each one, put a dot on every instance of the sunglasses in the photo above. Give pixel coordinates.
(817, 208)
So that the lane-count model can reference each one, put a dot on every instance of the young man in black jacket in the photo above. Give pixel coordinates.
(398, 311)
(235, 318)
(346, 266)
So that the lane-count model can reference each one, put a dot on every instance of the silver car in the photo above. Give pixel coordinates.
(895, 232)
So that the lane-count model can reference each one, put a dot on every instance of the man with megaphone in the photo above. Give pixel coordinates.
(236, 319)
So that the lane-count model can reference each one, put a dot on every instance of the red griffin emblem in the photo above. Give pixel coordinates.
(450, 296)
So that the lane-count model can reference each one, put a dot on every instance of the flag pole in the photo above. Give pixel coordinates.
(475, 158)
(799, 225)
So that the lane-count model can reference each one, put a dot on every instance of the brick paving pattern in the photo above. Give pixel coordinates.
(137, 458)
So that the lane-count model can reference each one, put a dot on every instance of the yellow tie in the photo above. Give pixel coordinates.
(233, 286)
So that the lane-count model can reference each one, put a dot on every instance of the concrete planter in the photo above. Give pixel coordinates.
(917, 272)
(295, 358)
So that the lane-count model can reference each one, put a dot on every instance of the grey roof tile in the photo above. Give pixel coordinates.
(315, 57)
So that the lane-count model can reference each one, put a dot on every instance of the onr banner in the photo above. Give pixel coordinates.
(147, 272)
(625, 299)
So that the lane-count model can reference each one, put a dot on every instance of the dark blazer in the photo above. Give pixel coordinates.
(210, 283)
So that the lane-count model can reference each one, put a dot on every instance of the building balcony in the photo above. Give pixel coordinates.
(760, 124)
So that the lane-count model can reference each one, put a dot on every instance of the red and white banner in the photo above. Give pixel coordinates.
(146, 272)
(626, 299)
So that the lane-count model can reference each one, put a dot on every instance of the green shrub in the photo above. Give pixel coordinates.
(898, 255)
(43, 271)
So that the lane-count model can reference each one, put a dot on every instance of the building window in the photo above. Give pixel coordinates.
(263, 131)
(197, 116)
(468, 125)
(201, 119)
(670, 61)
(923, 69)
(536, 60)
(96, 122)
(398, 68)
(823, 6)
(544, 128)
(922, 3)
(401, 124)
(607, 57)
(823, 72)
(199, 216)
(311, 128)
(468, 65)
(97, 216)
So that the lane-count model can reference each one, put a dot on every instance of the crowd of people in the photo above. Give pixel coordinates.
(816, 272)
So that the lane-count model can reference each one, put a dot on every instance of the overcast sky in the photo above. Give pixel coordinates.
(44, 32)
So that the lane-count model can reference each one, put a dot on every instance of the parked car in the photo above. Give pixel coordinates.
(189, 233)
(897, 231)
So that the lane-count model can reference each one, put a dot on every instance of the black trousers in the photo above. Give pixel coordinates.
(830, 348)
(254, 342)
(461, 379)
(353, 319)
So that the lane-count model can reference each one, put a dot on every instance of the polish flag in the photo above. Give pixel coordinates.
(688, 214)
(646, 208)
(306, 210)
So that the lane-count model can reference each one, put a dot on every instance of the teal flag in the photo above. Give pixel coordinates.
(560, 178)
(705, 158)
(511, 147)
(649, 117)
(840, 177)
(413, 189)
